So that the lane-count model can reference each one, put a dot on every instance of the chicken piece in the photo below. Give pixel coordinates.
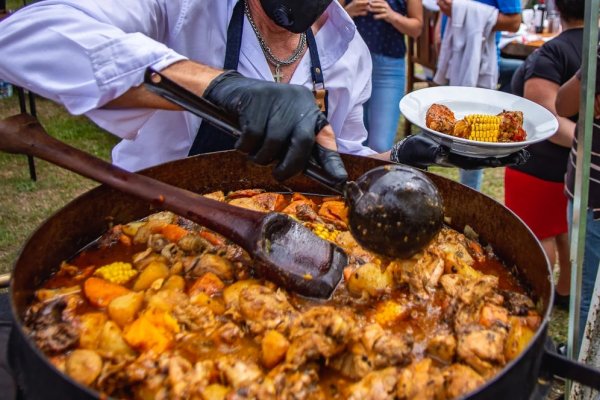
(375, 348)
(442, 347)
(195, 317)
(420, 381)
(460, 380)
(305, 212)
(231, 294)
(353, 363)
(292, 208)
(52, 331)
(218, 195)
(386, 348)
(179, 370)
(377, 385)
(472, 291)
(440, 118)
(287, 383)
(517, 303)
(238, 373)
(493, 316)
(424, 275)
(248, 203)
(322, 331)
(264, 309)
(236, 194)
(270, 201)
(511, 127)
(197, 266)
(482, 349)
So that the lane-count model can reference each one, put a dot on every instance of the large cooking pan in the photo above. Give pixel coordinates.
(88, 216)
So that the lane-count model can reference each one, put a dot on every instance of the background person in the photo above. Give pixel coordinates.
(567, 105)
(541, 179)
(383, 24)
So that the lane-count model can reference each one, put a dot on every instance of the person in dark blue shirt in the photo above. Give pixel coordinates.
(383, 24)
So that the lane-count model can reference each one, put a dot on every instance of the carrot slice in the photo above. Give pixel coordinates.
(212, 238)
(100, 292)
(173, 232)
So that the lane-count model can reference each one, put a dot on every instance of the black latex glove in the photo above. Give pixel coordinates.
(279, 122)
(421, 151)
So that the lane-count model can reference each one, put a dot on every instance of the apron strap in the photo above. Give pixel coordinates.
(209, 138)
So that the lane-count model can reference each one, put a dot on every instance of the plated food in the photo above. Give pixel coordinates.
(506, 126)
(163, 308)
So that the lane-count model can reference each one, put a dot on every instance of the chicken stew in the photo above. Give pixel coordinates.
(165, 309)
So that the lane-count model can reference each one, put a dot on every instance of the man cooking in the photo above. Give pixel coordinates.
(91, 56)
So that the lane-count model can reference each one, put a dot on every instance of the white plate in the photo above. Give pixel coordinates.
(538, 122)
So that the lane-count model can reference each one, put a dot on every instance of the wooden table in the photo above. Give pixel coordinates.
(520, 50)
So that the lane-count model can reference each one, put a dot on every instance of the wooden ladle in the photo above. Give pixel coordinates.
(284, 251)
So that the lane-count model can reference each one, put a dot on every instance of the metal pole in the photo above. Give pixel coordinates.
(580, 200)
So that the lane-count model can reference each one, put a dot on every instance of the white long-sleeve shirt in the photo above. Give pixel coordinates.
(468, 55)
(84, 53)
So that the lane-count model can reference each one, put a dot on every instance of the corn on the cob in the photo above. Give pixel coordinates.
(325, 233)
(484, 128)
(117, 272)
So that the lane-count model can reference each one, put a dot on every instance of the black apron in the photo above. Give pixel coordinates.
(210, 138)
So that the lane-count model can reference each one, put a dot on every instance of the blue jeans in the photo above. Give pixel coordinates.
(471, 177)
(506, 70)
(382, 110)
(591, 259)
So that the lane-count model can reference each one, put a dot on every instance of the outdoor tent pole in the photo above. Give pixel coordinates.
(582, 176)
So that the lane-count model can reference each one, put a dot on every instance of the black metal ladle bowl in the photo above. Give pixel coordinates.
(394, 210)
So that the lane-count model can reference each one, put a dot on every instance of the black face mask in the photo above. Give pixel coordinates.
(295, 15)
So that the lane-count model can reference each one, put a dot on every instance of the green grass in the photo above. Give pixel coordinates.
(25, 203)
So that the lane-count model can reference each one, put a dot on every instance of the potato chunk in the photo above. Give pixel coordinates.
(123, 309)
(274, 347)
(155, 270)
(84, 366)
(371, 279)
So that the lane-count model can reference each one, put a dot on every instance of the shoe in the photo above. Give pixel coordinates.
(561, 301)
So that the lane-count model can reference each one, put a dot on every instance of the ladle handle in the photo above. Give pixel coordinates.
(163, 86)
(23, 134)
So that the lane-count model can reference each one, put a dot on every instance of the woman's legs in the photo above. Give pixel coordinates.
(472, 178)
(382, 111)
(563, 247)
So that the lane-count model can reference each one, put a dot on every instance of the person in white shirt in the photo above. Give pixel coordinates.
(91, 56)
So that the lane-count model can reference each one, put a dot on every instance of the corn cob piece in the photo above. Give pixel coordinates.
(325, 233)
(484, 128)
(117, 272)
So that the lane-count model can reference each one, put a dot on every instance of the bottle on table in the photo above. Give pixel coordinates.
(539, 16)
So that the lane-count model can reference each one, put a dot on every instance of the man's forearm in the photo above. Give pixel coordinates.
(508, 22)
(193, 76)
